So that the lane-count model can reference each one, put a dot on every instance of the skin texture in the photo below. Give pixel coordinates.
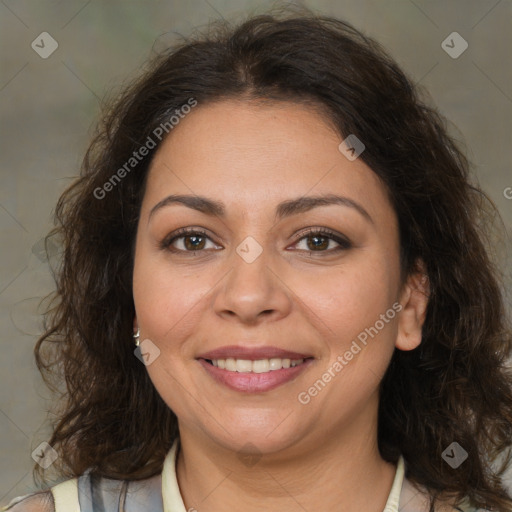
(322, 455)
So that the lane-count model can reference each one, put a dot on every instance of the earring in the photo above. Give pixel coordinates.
(136, 337)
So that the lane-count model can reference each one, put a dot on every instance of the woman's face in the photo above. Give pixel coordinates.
(258, 286)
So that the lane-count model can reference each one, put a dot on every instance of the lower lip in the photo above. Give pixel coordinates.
(254, 382)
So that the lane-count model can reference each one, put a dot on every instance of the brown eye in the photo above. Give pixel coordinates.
(317, 242)
(322, 241)
(187, 240)
(193, 242)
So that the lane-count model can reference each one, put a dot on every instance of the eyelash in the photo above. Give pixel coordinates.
(343, 243)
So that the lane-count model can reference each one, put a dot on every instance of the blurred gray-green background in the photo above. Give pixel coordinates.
(49, 105)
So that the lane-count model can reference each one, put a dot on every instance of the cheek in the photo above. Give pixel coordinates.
(166, 297)
(357, 305)
(164, 302)
(352, 298)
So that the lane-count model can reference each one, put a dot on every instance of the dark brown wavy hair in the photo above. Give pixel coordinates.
(455, 386)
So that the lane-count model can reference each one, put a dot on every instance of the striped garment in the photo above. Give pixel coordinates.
(89, 494)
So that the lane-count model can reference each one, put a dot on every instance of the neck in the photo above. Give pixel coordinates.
(339, 470)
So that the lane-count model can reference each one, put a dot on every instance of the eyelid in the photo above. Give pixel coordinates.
(322, 231)
(343, 241)
(181, 233)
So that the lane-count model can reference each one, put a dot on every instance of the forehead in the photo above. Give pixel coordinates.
(255, 155)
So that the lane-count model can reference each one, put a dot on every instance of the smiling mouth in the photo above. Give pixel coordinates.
(255, 366)
(254, 375)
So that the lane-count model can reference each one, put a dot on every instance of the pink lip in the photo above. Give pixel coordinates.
(251, 354)
(254, 382)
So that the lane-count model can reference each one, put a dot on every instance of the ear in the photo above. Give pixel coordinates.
(414, 299)
(135, 325)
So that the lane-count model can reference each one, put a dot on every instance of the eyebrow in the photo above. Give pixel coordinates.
(284, 209)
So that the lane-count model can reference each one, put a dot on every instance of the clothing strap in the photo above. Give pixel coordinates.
(65, 496)
(172, 500)
(396, 488)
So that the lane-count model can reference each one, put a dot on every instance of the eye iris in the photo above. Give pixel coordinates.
(194, 247)
(321, 245)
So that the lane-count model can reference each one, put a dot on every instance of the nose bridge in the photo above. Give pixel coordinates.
(251, 286)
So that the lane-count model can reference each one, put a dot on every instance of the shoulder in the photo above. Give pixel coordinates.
(415, 498)
(41, 501)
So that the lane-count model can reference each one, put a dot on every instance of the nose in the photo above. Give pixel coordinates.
(253, 292)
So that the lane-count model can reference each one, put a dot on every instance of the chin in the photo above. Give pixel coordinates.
(260, 438)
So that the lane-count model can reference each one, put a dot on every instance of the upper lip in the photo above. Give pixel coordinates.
(251, 354)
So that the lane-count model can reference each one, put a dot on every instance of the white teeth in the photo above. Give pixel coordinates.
(243, 365)
(231, 365)
(258, 366)
(261, 366)
(275, 364)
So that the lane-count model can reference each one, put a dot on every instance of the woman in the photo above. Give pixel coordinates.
(275, 291)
